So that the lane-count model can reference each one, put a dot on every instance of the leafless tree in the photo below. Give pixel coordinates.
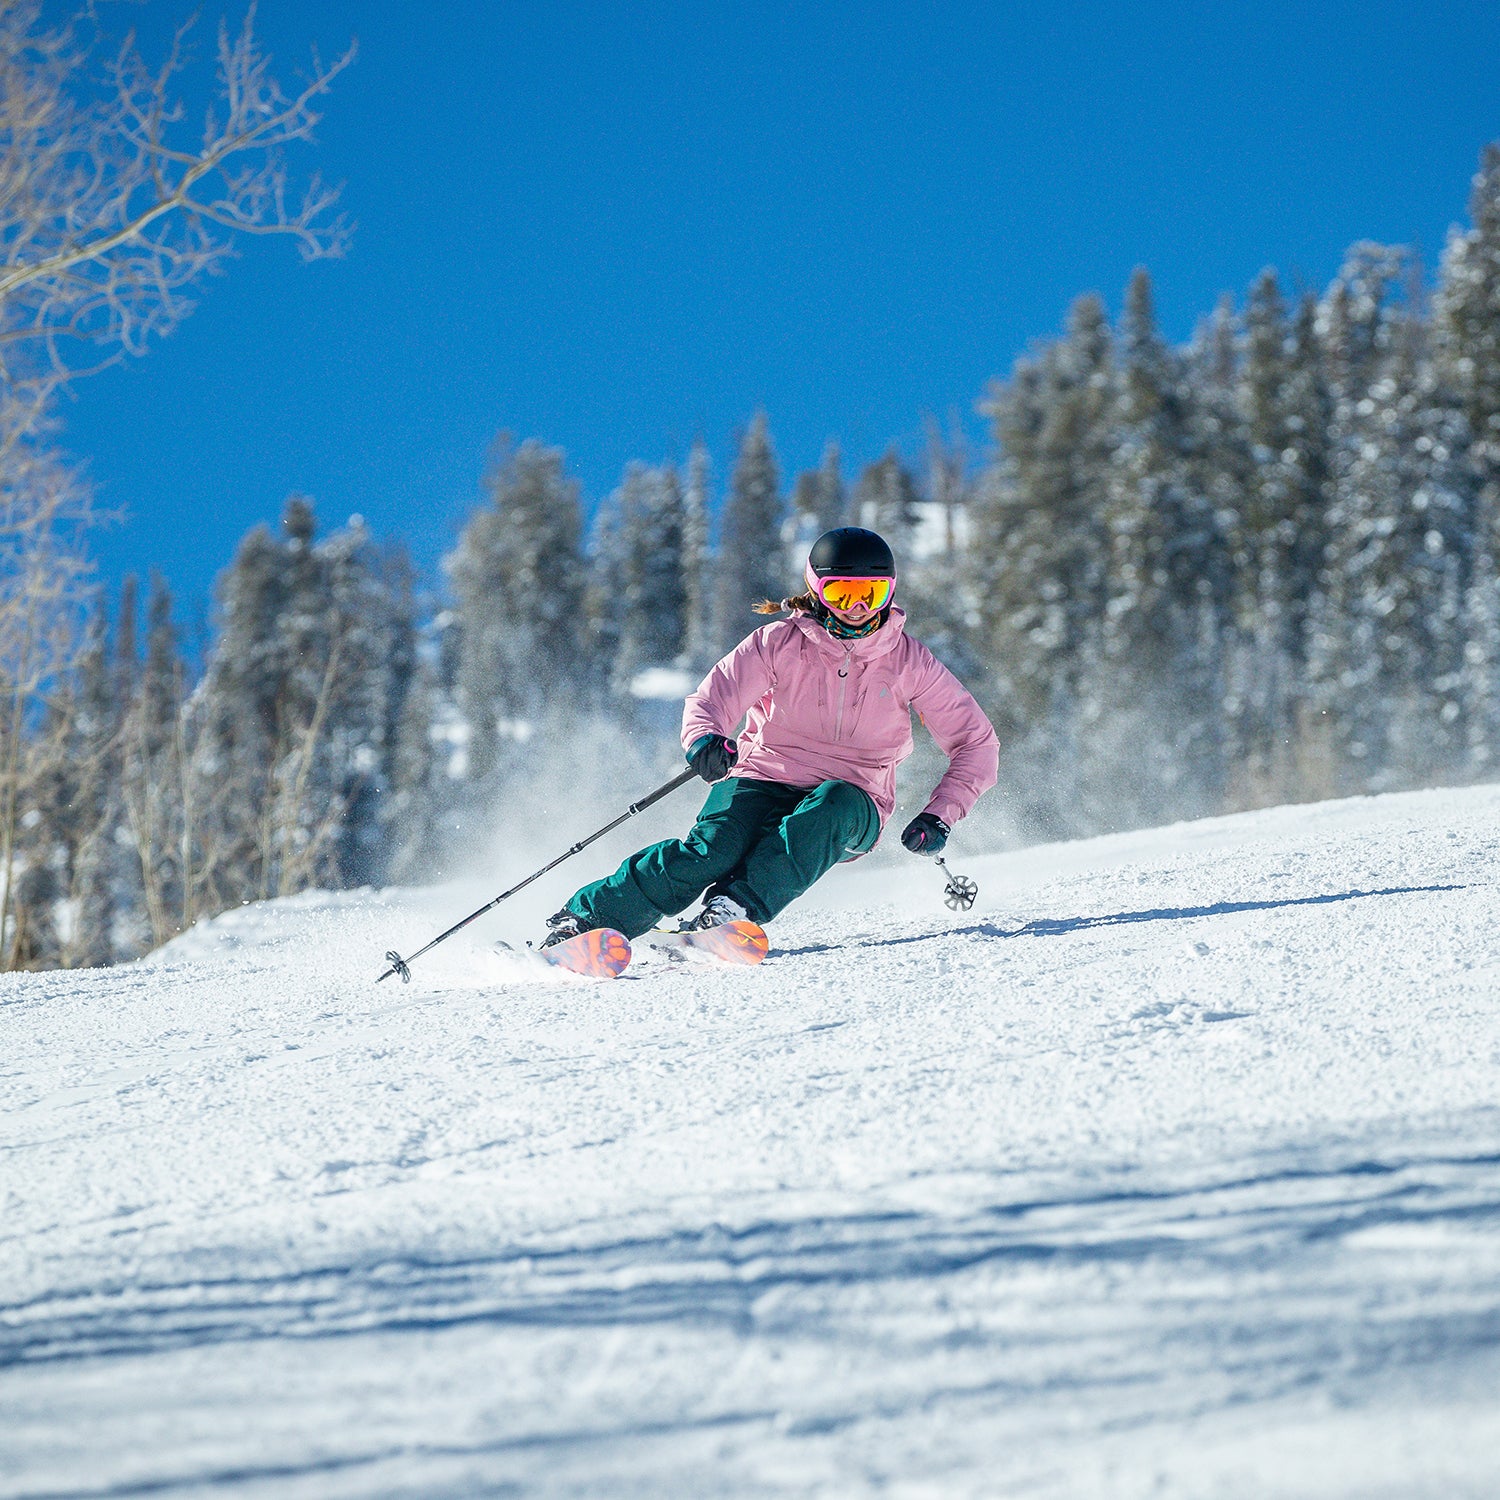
(112, 206)
(298, 835)
(947, 477)
(44, 510)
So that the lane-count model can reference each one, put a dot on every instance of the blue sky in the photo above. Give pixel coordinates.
(615, 226)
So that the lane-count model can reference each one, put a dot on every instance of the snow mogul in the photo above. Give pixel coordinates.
(826, 697)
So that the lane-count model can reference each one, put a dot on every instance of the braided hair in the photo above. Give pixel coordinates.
(806, 603)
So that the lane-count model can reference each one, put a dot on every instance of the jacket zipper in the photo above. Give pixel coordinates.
(838, 718)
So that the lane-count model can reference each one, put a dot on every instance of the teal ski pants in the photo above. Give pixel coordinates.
(758, 842)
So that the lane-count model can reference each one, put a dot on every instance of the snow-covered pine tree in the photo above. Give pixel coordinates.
(751, 556)
(1220, 472)
(935, 581)
(833, 499)
(697, 564)
(303, 805)
(832, 507)
(1040, 553)
(1466, 318)
(55, 822)
(1161, 685)
(802, 522)
(1480, 688)
(518, 575)
(1213, 355)
(819, 504)
(126, 649)
(1358, 328)
(1145, 501)
(369, 589)
(1397, 574)
(239, 722)
(59, 909)
(653, 603)
(1307, 463)
(94, 811)
(297, 715)
(619, 574)
(159, 797)
(33, 938)
(1047, 542)
(1280, 535)
(604, 588)
(947, 487)
(886, 500)
(420, 783)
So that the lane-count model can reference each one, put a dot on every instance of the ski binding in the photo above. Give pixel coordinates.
(731, 942)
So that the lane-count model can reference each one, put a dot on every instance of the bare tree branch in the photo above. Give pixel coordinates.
(110, 210)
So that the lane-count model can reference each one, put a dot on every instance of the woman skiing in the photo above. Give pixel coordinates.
(826, 697)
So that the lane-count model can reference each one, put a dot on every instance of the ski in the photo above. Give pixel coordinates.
(730, 942)
(600, 953)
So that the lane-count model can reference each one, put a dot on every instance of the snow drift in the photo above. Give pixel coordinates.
(1173, 1169)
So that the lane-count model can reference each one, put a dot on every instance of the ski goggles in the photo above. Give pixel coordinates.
(845, 593)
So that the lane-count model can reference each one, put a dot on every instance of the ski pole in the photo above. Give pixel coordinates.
(960, 893)
(399, 965)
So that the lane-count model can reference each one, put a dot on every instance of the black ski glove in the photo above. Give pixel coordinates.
(925, 834)
(712, 756)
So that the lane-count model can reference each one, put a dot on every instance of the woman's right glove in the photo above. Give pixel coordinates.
(711, 756)
(925, 834)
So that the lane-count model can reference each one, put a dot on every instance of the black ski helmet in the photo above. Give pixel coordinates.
(851, 552)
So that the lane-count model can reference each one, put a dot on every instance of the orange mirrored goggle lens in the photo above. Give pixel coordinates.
(845, 593)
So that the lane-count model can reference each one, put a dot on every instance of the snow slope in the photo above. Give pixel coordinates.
(1172, 1169)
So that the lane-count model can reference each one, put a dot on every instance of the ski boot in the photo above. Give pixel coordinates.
(562, 925)
(717, 910)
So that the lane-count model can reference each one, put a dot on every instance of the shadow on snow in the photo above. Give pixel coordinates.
(1057, 926)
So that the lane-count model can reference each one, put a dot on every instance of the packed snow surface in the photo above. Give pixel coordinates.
(1172, 1169)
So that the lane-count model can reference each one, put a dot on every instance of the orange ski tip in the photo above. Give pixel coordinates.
(743, 942)
(600, 953)
(751, 939)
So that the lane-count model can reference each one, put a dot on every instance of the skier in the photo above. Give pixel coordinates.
(826, 697)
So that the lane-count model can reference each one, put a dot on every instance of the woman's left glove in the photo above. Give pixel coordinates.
(712, 755)
(925, 834)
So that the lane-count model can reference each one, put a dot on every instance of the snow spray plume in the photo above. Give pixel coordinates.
(401, 966)
(576, 765)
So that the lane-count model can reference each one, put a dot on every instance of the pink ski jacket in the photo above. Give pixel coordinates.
(821, 709)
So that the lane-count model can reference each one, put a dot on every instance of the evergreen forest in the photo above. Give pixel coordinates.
(1182, 580)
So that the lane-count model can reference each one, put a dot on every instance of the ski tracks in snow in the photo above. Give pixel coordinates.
(1173, 1168)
